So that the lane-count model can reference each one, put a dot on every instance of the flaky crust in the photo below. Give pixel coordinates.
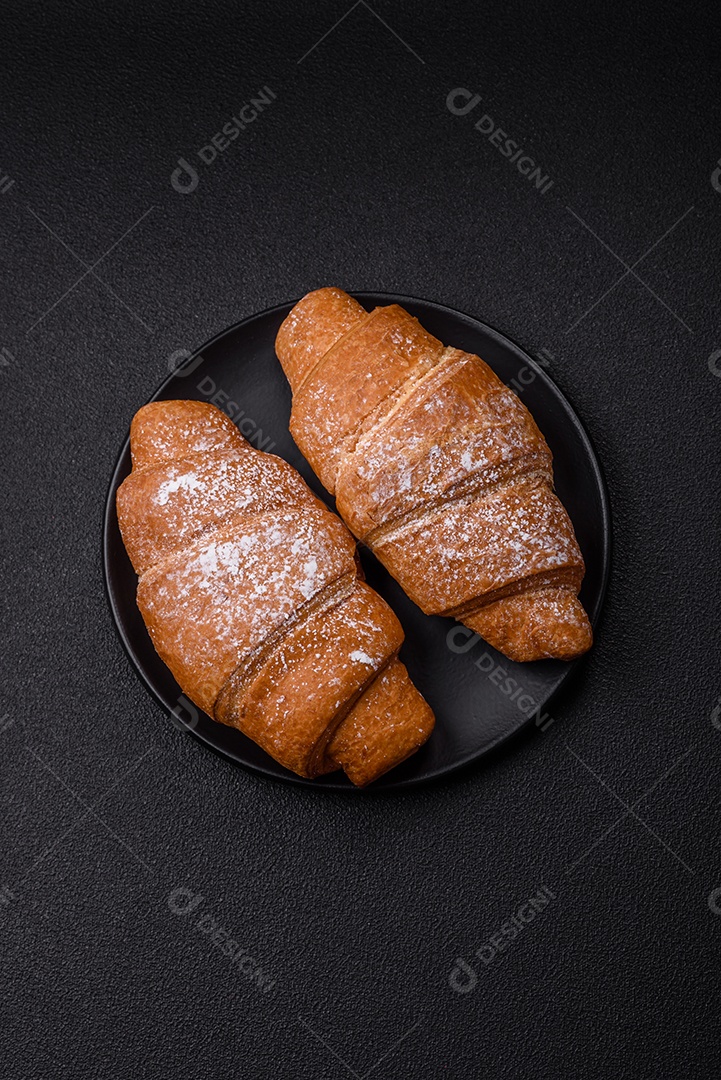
(440, 469)
(249, 588)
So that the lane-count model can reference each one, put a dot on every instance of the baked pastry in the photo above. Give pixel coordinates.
(250, 589)
(440, 469)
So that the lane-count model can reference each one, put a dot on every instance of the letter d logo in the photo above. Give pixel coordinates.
(177, 718)
(461, 631)
(184, 179)
(716, 179)
(716, 711)
(183, 901)
(467, 101)
(462, 978)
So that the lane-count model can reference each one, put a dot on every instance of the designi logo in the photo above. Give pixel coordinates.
(460, 102)
(716, 178)
(185, 178)
(183, 901)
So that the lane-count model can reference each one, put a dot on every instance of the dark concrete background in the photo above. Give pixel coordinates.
(358, 174)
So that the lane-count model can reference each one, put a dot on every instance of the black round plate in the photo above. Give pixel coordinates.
(479, 697)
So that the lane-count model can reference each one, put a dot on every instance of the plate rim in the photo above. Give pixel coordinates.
(326, 783)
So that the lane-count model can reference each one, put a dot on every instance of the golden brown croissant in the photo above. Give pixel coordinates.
(440, 469)
(249, 589)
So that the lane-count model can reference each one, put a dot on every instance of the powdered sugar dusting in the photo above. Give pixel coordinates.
(362, 658)
(188, 481)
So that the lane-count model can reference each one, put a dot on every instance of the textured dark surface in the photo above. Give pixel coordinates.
(357, 174)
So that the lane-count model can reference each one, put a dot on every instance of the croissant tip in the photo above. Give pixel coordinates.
(548, 624)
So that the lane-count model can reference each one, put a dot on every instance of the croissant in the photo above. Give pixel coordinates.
(439, 469)
(249, 587)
